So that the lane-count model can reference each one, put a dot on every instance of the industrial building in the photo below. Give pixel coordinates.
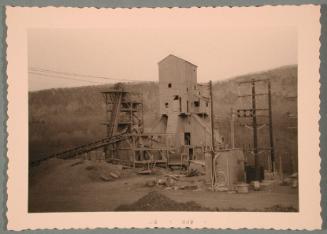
(182, 136)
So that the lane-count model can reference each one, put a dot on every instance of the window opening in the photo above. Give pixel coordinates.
(187, 138)
(186, 106)
(180, 104)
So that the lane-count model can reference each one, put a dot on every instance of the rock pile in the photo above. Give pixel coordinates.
(155, 201)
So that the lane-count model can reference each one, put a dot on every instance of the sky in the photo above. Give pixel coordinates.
(129, 46)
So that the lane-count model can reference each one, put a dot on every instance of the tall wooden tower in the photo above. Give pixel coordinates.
(124, 111)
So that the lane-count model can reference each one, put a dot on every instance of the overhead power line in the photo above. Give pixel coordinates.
(63, 77)
(73, 74)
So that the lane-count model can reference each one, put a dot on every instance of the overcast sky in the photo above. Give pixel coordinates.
(221, 45)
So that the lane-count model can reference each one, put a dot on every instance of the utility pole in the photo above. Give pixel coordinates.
(255, 137)
(253, 114)
(272, 151)
(292, 116)
(212, 135)
(232, 129)
(281, 174)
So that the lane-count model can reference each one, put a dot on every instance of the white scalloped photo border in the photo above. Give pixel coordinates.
(20, 19)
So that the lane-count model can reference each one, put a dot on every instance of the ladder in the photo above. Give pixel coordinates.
(115, 115)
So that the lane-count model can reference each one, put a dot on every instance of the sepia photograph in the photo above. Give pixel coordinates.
(184, 121)
(182, 116)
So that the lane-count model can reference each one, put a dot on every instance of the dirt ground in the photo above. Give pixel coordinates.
(73, 185)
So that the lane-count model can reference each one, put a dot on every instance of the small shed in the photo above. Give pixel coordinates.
(228, 168)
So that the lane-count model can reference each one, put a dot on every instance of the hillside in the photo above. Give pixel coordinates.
(63, 118)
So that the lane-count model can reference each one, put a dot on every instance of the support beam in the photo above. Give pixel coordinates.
(271, 137)
(255, 137)
(232, 129)
(212, 136)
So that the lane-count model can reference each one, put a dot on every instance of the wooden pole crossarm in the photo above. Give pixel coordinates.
(253, 81)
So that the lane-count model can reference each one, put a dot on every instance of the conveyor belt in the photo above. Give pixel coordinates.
(83, 148)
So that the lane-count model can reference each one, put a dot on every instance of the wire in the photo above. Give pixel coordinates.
(258, 128)
(41, 70)
(64, 78)
(203, 84)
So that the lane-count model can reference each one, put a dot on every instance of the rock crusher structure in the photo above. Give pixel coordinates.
(183, 135)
